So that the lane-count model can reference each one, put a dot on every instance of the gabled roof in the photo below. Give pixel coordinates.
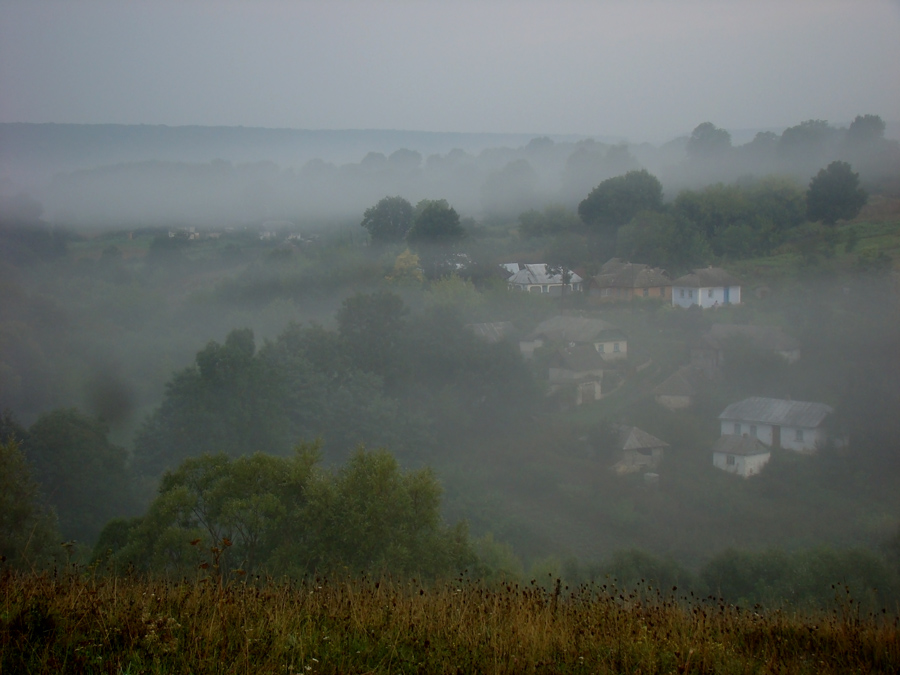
(579, 359)
(577, 329)
(707, 277)
(777, 411)
(493, 331)
(740, 445)
(632, 438)
(765, 337)
(537, 274)
(618, 274)
(685, 381)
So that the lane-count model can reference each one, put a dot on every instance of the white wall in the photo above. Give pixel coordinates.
(744, 465)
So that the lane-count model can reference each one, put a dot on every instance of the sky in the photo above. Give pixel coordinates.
(641, 70)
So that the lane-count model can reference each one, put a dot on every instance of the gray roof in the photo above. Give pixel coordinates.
(493, 331)
(707, 277)
(537, 274)
(632, 438)
(683, 382)
(740, 445)
(778, 412)
(618, 274)
(576, 329)
(579, 359)
(764, 337)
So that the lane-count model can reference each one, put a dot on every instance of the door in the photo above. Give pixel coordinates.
(727, 294)
(776, 437)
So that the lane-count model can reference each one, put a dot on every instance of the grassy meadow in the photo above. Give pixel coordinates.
(73, 622)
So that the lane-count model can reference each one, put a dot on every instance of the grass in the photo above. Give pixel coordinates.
(71, 622)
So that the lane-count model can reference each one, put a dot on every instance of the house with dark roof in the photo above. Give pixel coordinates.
(620, 281)
(740, 455)
(680, 389)
(537, 278)
(708, 287)
(708, 352)
(568, 331)
(640, 451)
(578, 368)
(793, 425)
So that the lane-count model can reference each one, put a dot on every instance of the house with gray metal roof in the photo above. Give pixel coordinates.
(740, 455)
(793, 425)
(707, 287)
(537, 278)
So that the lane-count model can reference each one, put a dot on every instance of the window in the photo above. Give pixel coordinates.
(737, 429)
(753, 430)
(600, 348)
(646, 292)
(691, 294)
(682, 292)
(730, 460)
(709, 293)
(615, 346)
(799, 435)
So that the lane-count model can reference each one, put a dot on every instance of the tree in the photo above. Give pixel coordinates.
(617, 200)
(555, 219)
(27, 527)
(83, 475)
(389, 220)
(708, 141)
(434, 234)
(834, 194)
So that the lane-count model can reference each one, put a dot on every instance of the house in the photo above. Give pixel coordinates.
(680, 389)
(579, 367)
(492, 332)
(708, 353)
(792, 425)
(640, 451)
(538, 278)
(568, 331)
(709, 287)
(741, 455)
(620, 281)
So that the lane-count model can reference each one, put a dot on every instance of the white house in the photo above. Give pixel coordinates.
(792, 425)
(708, 287)
(538, 279)
(740, 455)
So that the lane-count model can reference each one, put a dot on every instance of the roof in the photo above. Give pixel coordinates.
(580, 358)
(777, 411)
(493, 331)
(740, 445)
(707, 277)
(537, 274)
(683, 382)
(575, 329)
(618, 274)
(764, 337)
(632, 438)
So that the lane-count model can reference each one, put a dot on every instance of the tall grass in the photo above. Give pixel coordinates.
(85, 623)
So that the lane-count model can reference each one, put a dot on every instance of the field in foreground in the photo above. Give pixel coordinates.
(83, 624)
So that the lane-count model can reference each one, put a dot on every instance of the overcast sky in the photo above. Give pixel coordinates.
(643, 70)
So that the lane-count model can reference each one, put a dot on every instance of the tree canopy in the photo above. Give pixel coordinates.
(389, 220)
(617, 200)
(834, 194)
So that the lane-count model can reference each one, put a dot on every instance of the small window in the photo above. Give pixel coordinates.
(709, 293)
(690, 294)
(737, 429)
(730, 460)
(799, 436)
(615, 346)
(682, 292)
(753, 430)
(600, 348)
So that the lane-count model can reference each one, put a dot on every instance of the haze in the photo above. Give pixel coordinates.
(640, 71)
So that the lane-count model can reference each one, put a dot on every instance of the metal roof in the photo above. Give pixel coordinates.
(778, 412)
(537, 274)
(740, 445)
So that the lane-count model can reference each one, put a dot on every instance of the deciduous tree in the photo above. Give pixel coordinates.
(834, 194)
